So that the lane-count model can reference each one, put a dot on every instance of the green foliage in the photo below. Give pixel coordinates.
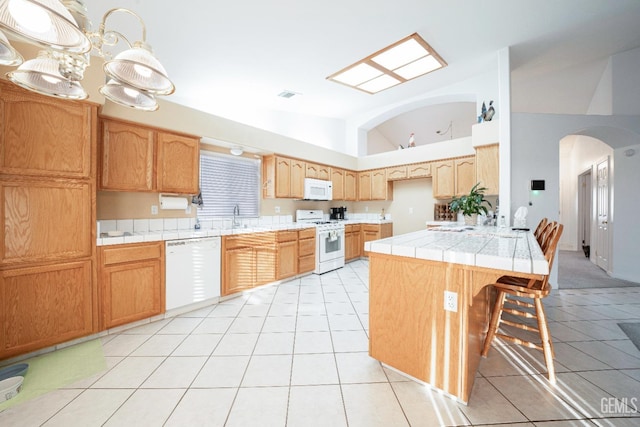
(472, 203)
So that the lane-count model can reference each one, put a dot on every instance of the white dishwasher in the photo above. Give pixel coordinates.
(192, 271)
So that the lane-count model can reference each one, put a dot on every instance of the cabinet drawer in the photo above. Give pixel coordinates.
(306, 247)
(306, 263)
(249, 240)
(126, 253)
(370, 227)
(353, 228)
(307, 233)
(287, 236)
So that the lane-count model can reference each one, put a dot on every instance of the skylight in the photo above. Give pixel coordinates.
(404, 60)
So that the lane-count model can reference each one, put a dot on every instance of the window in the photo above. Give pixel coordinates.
(227, 181)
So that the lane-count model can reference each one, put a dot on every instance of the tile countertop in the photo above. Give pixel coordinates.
(481, 246)
(154, 236)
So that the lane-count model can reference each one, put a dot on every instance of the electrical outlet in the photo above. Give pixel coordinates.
(154, 209)
(410, 211)
(450, 301)
(277, 209)
(366, 208)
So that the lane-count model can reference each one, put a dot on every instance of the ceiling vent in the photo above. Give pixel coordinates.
(287, 94)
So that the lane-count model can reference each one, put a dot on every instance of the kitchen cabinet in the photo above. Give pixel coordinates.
(139, 158)
(488, 168)
(337, 183)
(350, 185)
(316, 171)
(352, 242)
(376, 232)
(45, 136)
(443, 179)
(249, 260)
(306, 250)
(381, 189)
(178, 164)
(45, 305)
(364, 185)
(283, 177)
(396, 172)
(287, 254)
(46, 220)
(419, 170)
(131, 282)
(465, 175)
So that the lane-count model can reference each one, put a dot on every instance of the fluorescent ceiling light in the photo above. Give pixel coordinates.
(404, 60)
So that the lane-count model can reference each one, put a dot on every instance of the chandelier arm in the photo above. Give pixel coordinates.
(121, 9)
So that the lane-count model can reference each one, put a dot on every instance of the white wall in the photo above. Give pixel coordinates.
(412, 205)
(378, 143)
(577, 155)
(626, 82)
(535, 155)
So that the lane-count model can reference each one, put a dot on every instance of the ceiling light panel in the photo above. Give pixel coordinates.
(404, 60)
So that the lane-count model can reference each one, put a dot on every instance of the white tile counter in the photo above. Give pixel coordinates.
(491, 247)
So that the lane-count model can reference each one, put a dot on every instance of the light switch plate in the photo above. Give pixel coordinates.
(154, 209)
(450, 301)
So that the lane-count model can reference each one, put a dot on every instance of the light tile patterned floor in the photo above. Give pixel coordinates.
(296, 355)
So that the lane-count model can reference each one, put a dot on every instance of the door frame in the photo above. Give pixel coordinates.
(586, 209)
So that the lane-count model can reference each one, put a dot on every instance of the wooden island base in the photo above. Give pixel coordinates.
(409, 328)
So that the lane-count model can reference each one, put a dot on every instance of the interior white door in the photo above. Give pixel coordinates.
(602, 206)
(585, 212)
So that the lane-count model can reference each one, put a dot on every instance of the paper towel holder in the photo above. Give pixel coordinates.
(174, 202)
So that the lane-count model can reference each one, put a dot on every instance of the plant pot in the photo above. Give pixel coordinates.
(471, 219)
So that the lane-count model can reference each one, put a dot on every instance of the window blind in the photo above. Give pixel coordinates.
(227, 181)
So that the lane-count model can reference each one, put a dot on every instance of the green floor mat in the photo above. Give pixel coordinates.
(58, 369)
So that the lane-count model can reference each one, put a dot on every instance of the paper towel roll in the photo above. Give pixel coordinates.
(173, 203)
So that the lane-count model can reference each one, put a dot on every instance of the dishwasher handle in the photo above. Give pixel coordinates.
(188, 242)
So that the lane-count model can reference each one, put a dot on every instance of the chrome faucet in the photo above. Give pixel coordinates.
(236, 213)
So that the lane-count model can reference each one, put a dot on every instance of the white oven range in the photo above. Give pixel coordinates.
(329, 240)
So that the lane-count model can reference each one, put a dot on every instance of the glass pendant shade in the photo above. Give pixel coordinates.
(8, 55)
(128, 96)
(44, 22)
(138, 67)
(42, 75)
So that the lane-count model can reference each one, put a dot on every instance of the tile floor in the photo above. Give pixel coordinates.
(296, 355)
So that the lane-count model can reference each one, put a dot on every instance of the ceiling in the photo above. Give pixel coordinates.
(226, 56)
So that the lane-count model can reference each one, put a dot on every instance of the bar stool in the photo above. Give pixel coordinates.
(512, 299)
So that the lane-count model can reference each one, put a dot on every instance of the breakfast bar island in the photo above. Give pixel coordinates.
(429, 299)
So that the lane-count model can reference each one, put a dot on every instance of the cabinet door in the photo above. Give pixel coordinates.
(312, 170)
(324, 172)
(364, 185)
(443, 180)
(357, 243)
(350, 185)
(488, 168)
(396, 172)
(239, 270)
(44, 136)
(287, 259)
(46, 220)
(283, 177)
(465, 179)
(127, 157)
(380, 188)
(43, 306)
(178, 163)
(265, 264)
(130, 292)
(337, 181)
(297, 179)
(419, 170)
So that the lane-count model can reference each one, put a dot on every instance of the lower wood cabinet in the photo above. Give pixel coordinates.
(306, 250)
(287, 254)
(45, 305)
(249, 260)
(131, 282)
(239, 270)
(352, 242)
(376, 232)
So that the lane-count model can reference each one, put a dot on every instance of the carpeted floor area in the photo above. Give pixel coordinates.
(575, 271)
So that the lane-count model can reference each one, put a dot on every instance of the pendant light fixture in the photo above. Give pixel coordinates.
(134, 76)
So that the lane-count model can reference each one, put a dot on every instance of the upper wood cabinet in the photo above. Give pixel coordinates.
(364, 185)
(419, 170)
(465, 175)
(178, 164)
(45, 305)
(45, 136)
(488, 168)
(46, 220)
(316, 171)
(139, 158)
(397, 172)
(443, 179)
(337, 183)
(283, 177)
(373, 185)
(350, 185)
(127, 157)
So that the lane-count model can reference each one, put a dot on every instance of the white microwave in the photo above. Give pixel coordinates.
(317, 189)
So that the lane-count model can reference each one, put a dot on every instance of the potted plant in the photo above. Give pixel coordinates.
(471, 204)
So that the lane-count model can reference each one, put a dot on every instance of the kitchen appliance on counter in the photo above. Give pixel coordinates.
(192, 271)
(338, 213)
(329, 240)
(317, 189)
